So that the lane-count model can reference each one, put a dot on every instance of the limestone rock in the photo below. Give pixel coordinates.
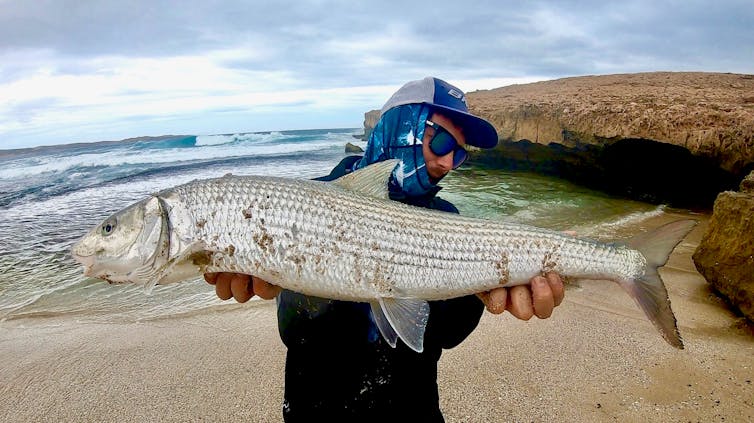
(709, 114)
(352, 148)
(370, 120)
(677, 138)
(725, 256)
(747, 185)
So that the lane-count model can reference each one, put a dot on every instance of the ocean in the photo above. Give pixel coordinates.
(51, 197)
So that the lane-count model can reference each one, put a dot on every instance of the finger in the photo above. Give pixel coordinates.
(211, 278)
(557, 287)
(264, 289)
(542, 298)
(222, 286)
(496, 300)
(520, 302)
(240, 286)
(485, 297)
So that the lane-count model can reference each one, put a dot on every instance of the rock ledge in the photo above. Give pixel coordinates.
(666, 137)
(725, 256)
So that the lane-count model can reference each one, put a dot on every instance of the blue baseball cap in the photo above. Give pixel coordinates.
(451, 101)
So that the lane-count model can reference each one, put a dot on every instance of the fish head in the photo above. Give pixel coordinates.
(128, 246)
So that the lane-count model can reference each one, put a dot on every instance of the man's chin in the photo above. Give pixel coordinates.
(436, 180)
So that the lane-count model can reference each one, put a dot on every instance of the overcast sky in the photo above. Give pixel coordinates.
(78, 71)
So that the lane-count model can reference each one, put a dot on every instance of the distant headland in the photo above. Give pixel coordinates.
(53, 148)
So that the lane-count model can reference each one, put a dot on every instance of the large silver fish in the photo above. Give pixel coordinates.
(346, 240)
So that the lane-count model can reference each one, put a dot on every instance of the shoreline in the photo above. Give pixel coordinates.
(597, 359)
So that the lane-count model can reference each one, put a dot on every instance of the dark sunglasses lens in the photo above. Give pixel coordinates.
(442, 143)
(459, 156)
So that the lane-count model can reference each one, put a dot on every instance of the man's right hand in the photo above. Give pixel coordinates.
(241, 287)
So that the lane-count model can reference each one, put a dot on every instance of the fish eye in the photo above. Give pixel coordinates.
(108, 227)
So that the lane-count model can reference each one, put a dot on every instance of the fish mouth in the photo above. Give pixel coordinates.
(86, 261)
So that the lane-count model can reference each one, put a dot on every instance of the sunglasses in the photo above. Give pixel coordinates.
(443, 142)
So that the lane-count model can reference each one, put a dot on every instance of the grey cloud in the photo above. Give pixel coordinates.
(96, 28)
(327, 44)
(25, 111)
(459, 38)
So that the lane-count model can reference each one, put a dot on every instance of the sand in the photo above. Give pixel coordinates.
(596, 359)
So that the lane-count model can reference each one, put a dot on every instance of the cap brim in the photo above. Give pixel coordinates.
(477, 131)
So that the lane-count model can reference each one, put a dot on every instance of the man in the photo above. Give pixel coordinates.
(338, 366)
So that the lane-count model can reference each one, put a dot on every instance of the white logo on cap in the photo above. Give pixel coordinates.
(457, 94)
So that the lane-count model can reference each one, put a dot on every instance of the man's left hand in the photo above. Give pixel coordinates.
(539, 298)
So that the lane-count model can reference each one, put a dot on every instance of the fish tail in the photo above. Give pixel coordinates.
(649, 290)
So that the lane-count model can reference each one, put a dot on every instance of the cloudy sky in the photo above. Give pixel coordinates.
(78, 71)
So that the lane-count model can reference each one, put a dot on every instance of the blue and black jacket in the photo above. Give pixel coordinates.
(338, 367)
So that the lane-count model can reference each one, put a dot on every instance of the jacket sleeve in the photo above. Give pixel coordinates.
(341, 169)
(451, 321)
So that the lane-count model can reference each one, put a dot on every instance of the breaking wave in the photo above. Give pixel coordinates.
(61, 170)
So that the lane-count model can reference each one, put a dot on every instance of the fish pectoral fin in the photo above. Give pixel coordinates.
(404, 318)
(178, 272)
(371, 180)
(190, 263)
(147, 275)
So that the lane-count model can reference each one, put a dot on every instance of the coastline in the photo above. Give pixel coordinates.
(15, 152)
(597, 359)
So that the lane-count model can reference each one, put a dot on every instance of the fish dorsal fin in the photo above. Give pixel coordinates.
(371, 180)
(405, 318)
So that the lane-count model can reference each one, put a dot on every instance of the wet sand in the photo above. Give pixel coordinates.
(596, 359)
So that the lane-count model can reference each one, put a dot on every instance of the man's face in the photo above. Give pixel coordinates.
(439, 166)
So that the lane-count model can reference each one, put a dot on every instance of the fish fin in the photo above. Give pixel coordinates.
(179, 271)
(408, 318)
(384, 325)
(148, 275)
(649, 291)
(371, 180)
(180, 268)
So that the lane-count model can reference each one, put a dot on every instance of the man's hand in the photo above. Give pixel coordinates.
(524, 301)
(241, 287)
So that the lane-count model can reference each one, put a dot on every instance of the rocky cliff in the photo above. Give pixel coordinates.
(671, 137)
(370, 119)
(725, 256)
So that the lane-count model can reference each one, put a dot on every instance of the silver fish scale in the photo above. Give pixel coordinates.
(320, 239)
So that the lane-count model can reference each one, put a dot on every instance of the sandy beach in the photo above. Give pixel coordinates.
(597, 359)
